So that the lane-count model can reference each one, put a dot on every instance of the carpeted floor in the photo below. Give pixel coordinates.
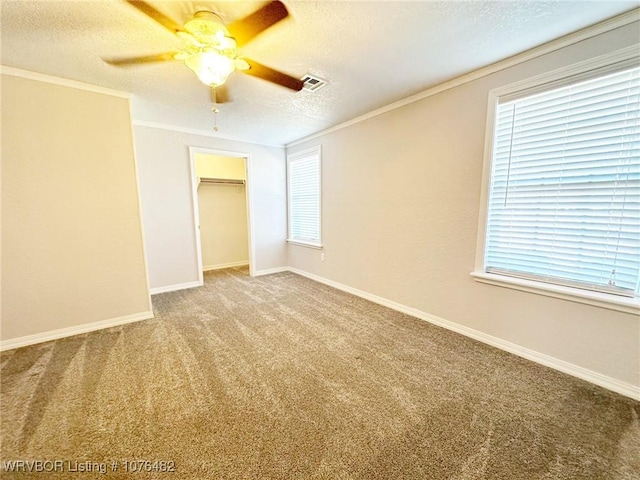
(279, 377)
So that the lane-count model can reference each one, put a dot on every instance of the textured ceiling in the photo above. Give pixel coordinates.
(372, 54)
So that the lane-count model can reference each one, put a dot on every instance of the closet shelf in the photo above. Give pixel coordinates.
(221, 181)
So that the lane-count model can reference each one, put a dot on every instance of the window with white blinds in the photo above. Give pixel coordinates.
(303, 183)
(564, 198)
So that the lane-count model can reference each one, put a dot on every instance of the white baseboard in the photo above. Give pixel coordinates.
(70, 331)
(173, 288)
(225, 265)
(269, 271)
(623, 388)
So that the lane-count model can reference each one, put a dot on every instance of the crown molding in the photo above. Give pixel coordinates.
(562, 42)
(202, 133)
(175, 128)
(64, 82)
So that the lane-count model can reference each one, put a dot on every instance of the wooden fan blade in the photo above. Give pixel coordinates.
(124, 62)
(220, 94)
(250, 26)
(161, 18)
(274, 76)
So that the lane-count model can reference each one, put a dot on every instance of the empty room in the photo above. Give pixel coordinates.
(320, 239)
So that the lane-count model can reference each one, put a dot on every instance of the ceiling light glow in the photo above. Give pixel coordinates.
(209, 49)
(212, 68)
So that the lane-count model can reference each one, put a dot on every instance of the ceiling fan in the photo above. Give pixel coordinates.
(210, 48)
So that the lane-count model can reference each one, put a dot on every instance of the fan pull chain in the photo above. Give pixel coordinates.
(215, 109)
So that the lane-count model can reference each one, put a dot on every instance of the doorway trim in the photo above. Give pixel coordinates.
(196, 210)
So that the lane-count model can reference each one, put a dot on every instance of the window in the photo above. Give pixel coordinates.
(563, 201)
(303, 183)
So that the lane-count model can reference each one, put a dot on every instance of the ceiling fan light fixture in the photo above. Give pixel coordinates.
(209, 49)
(212, 68)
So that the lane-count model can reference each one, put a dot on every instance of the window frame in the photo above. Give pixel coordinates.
(303, 154)
(619, 60)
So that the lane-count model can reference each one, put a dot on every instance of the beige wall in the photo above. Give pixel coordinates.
(400, 207)
(216, 166)
(72, 249)
(224, 236)
(167, 202)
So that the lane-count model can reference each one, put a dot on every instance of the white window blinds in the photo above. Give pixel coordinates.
(564, 202)
(304, 197)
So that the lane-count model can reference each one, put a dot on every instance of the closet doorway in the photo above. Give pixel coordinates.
(221, 201)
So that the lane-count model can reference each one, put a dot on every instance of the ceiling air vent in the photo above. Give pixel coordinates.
(312, 83)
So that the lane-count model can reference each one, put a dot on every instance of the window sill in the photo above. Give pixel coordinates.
(317, 246)
(597, 299)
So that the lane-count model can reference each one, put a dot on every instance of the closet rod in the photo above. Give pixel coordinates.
(221, 181)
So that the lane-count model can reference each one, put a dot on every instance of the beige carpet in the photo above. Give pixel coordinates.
(279, 377)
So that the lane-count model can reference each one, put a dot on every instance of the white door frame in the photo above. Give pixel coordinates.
(196, 211)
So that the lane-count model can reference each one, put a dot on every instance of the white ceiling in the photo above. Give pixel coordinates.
(372, 53)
